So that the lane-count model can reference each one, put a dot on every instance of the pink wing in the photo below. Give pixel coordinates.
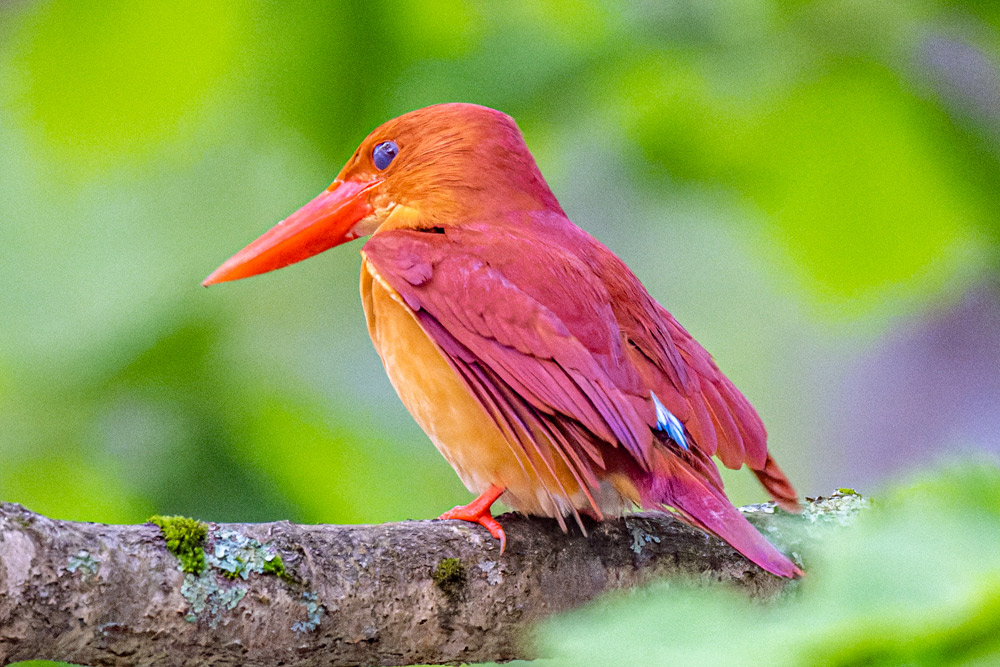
(683, 374)
(551, 363)
(562, 340)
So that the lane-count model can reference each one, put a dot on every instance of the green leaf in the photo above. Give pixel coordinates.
(103, 83)
(915, 582)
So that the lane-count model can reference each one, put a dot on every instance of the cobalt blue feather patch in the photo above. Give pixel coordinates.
(666, 421)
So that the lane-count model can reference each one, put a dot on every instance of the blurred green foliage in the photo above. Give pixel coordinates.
(915, 582)
(790, 179)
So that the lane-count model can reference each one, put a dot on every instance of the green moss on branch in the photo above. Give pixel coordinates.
(185, 539)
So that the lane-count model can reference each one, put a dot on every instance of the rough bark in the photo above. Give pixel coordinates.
(391, 594)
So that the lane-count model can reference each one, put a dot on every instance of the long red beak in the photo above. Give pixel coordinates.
(326, 221)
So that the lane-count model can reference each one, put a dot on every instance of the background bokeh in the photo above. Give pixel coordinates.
(810, 187)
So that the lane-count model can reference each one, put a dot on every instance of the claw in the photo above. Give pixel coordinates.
(478, 511)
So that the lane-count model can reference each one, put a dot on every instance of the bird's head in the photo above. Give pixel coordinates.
(429, 168)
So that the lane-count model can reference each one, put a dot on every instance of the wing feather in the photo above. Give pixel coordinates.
(558, 340)
(528, 368)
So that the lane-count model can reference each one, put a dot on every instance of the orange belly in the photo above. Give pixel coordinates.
(455, 421)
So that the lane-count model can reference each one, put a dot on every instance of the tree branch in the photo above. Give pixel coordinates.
(391, 594)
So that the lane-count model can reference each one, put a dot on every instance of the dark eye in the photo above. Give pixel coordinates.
(384, 154)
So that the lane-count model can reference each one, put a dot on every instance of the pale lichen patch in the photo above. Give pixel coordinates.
(84, 563)
(207, 598)
(640, 537)
(238, 555)
(759, 508)
(205, 554)
(842, 508)
(491, 570)
(314, 613)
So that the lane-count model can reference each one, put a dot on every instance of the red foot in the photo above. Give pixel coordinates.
(478, 511)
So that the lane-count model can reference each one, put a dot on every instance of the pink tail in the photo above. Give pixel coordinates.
(675, 484)
(774, 480)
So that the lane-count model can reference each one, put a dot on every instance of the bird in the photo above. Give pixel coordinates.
(530, 354)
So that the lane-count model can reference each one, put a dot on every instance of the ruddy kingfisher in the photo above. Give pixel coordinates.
(529, 353)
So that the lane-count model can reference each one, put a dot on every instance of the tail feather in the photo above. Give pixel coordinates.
(774, 480)
(673, 483)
